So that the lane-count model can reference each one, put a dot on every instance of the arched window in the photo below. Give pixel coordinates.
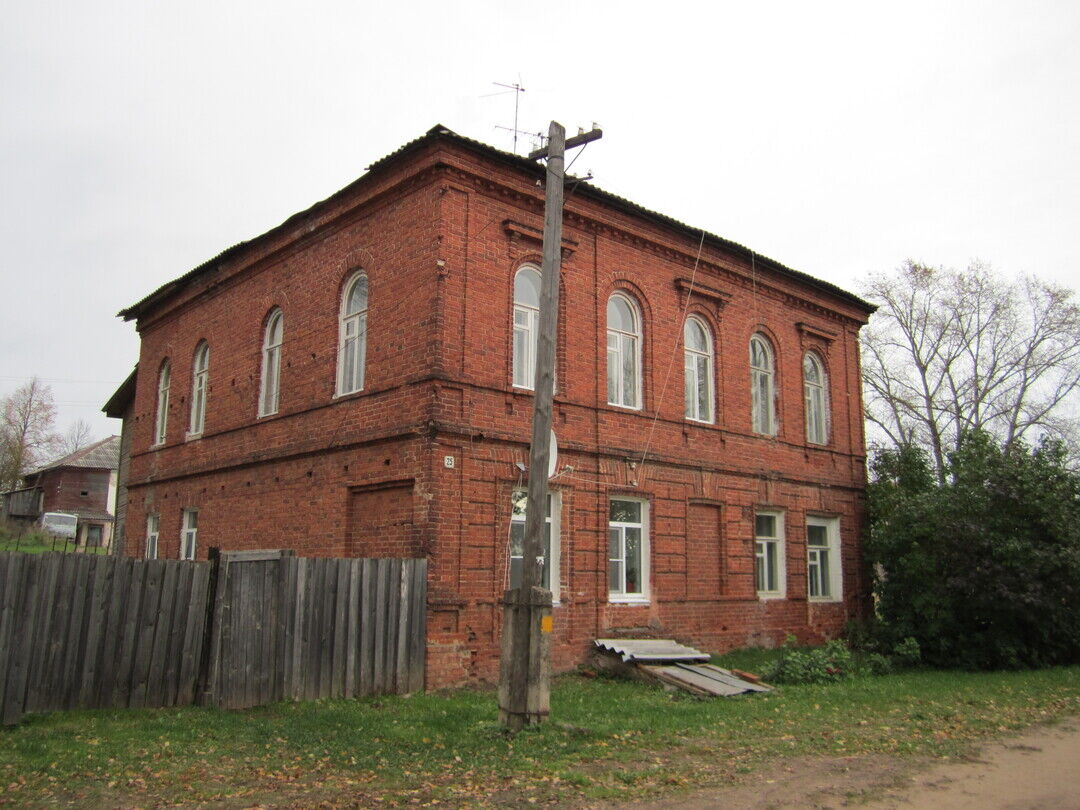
(162, 421)
(526, 325)
(199, 378)
(814, 387)
(271, 364)
(623, 352)
(698, 370)
(352, 337)
(762, 387)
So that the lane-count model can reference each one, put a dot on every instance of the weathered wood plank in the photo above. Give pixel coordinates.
(401, 649)
(196, 642)
(340, 622)
(326, 627)
(24, 608)
(95, 619)
(46, 646)
(12, 566)
(113, 635)
(154, 692)
(75, 636)
(145, 629)
(352, 634)
(382, 597)
(367, 627)
(418, 627)
(174, 652)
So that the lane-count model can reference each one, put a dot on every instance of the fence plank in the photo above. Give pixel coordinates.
(11, 569)
(367, 627)
(195, 627)
(45, 646)
(418, 629)
(145, 626)
(95, 618)
(16, 597)
(119, 596)
(352, 634)
(174, 652)
(26, 608)
(74, 653)
(340, 622)
(154, 691)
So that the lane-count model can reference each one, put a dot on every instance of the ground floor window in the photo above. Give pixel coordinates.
(550, 561)
(189, 535)
(823, 558)
(152, 524)
(628, 550)
(769, 554)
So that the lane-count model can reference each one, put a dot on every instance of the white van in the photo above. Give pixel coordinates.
(60, 524)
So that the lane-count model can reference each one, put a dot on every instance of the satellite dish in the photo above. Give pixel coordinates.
(553, 455)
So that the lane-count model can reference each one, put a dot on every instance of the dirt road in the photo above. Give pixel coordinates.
(1039, 769)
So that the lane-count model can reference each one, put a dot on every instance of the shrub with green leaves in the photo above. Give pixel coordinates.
(980, 569)
(832, 662)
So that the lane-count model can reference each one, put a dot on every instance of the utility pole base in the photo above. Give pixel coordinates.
(524, 681)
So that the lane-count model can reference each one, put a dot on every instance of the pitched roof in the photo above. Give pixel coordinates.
(439, 132)
(103, 455)
(123, 396)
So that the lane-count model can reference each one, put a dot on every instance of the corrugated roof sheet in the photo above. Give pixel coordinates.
(651, 649)
(103, 455)
(439, 132)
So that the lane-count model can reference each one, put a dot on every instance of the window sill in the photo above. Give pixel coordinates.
(770, 595)
(344, 394)
(622, 599)
(190, 437)
(700, 421)
(622, 407)
(824, 600)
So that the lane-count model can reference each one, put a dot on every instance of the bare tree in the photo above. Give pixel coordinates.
(950, 351)
(26, 431)
(78, 436)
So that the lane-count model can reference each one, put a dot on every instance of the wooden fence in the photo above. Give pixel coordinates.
(246, 628)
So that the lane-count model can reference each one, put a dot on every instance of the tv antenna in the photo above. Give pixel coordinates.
(517, 90)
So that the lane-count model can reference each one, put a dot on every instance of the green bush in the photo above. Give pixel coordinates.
(833, 662)
(981, 569)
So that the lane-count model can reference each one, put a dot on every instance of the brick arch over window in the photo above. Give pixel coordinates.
(625, 334)
(352, 334)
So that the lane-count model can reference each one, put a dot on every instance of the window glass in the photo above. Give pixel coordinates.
(518, 503)
(161, 423)
(628, 555)
(769, 554)
(823, 558)
(200, 377)
(762, 391)
(352, 337)
(698, 371)
(271, 365)
(526, 326)
(623, 353)
(815, 400)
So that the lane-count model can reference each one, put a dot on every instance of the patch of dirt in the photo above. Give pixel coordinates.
(1040, 769)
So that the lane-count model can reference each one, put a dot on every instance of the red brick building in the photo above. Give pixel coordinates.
(356, 382)
(82, 483)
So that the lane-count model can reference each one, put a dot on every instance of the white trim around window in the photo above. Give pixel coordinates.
(628, 550)
(824, 576)
(352, 335)
(770, 571)
(153, 522)
(189, 534)
(270, 380)
(550, 576)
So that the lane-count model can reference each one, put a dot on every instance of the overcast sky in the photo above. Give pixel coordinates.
(138, 139)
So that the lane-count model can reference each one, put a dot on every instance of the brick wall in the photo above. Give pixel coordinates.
(440, 233)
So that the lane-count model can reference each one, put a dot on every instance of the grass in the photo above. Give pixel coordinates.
(606, 739)
(38, 543)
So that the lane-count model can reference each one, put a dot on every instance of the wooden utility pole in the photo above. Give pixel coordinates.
(525, 668)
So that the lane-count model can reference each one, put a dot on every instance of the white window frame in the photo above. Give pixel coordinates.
(161, 423)
(763, 389)
(189, 534)
(270, 388)
(830, 552)
(816, 399)
(762, 541)
(153, 525)
(620, 344)
(517, 519)
(527, 325)
(696, 360)
(352, 333)
(200, 375)
(621, 596)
